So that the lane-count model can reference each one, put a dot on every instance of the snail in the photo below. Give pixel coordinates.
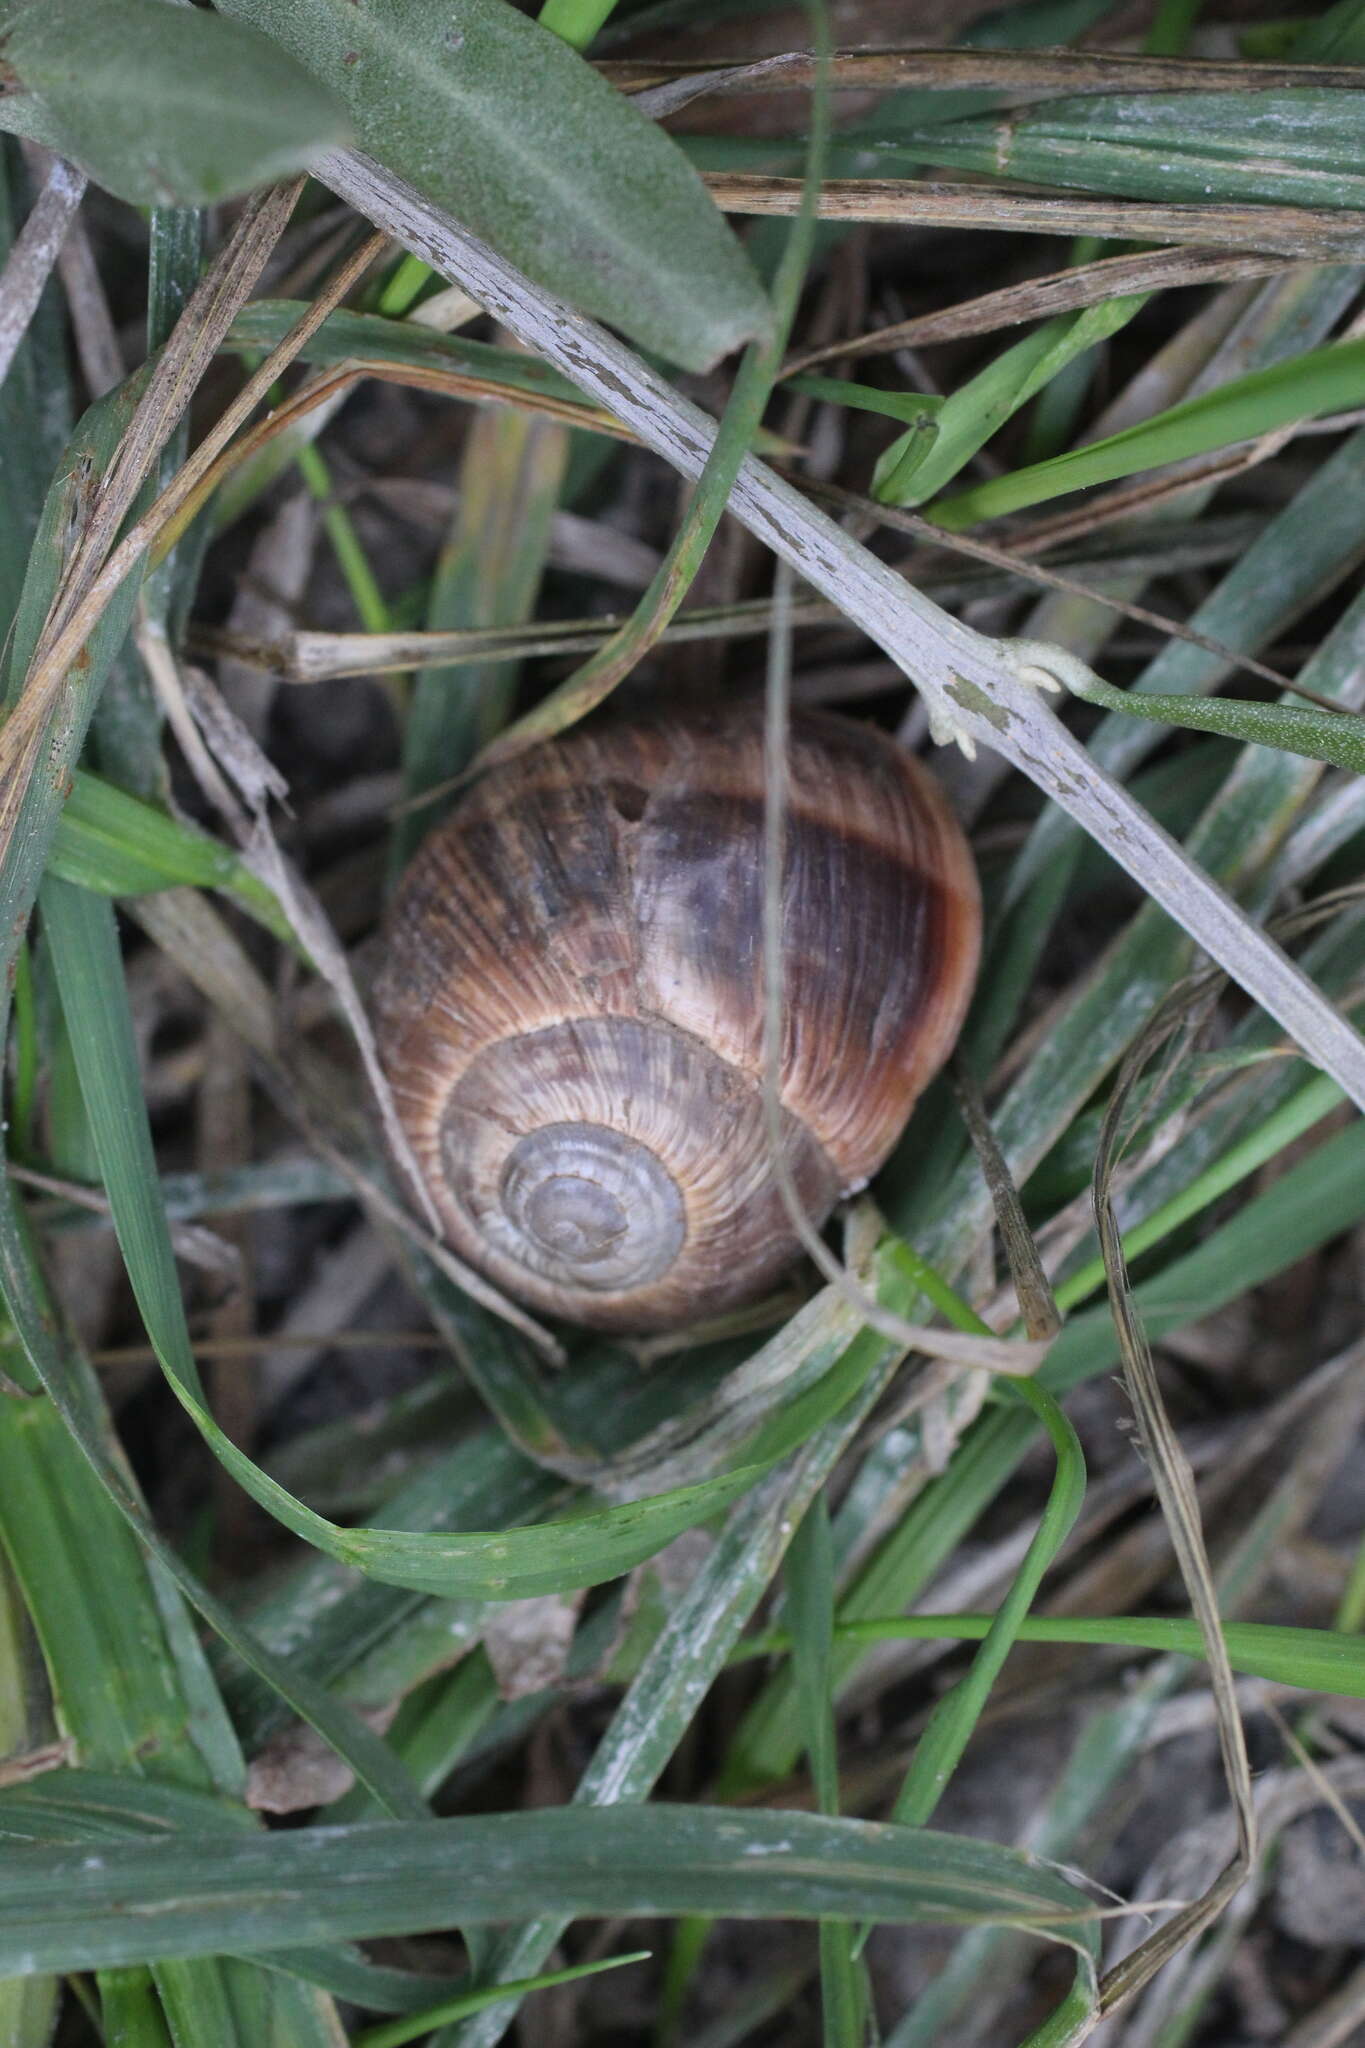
(570, 1004)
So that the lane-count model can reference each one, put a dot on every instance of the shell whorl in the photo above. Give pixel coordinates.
(570, 1011)
(586, 1206)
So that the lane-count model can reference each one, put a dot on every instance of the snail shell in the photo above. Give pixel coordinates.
(570, 1010)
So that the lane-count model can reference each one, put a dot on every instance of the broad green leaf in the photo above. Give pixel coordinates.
(495, 119)
(1322, 381)
(166, 106)
(64, 1908)
(1290, 147)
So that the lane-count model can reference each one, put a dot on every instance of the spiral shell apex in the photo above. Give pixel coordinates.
(570, 1010)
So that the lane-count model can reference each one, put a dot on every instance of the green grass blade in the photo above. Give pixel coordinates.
(395, 2032)
(1289, 146)
(130, 2012)
(488, 574)
(346, 337)
(809, 1578)
(1322, 381)
(940, 1748)
(974, 412)
(1316, 735)
(495, 1564)
(1316, 1659)
(118, 845)
(62, 1908)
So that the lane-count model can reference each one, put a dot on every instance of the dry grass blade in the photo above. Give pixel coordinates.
(35, 251)
(92, 324)
(90, 584)
(1039, 298)
(1174, 1483)
(331, 385)
(976, 689)
(311, 657)
(175, 377)
(1296, 231)
(1024, 72)
(1033, 1289)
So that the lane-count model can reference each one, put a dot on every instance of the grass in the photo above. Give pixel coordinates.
(532, 1657)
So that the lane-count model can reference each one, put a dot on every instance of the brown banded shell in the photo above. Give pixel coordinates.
(571, 1006)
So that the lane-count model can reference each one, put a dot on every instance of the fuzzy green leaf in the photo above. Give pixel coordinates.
(164, 106)
(495, 119)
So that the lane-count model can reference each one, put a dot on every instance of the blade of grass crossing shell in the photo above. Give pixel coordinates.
(758, 373)
(583, 1549)
(809, 1580)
